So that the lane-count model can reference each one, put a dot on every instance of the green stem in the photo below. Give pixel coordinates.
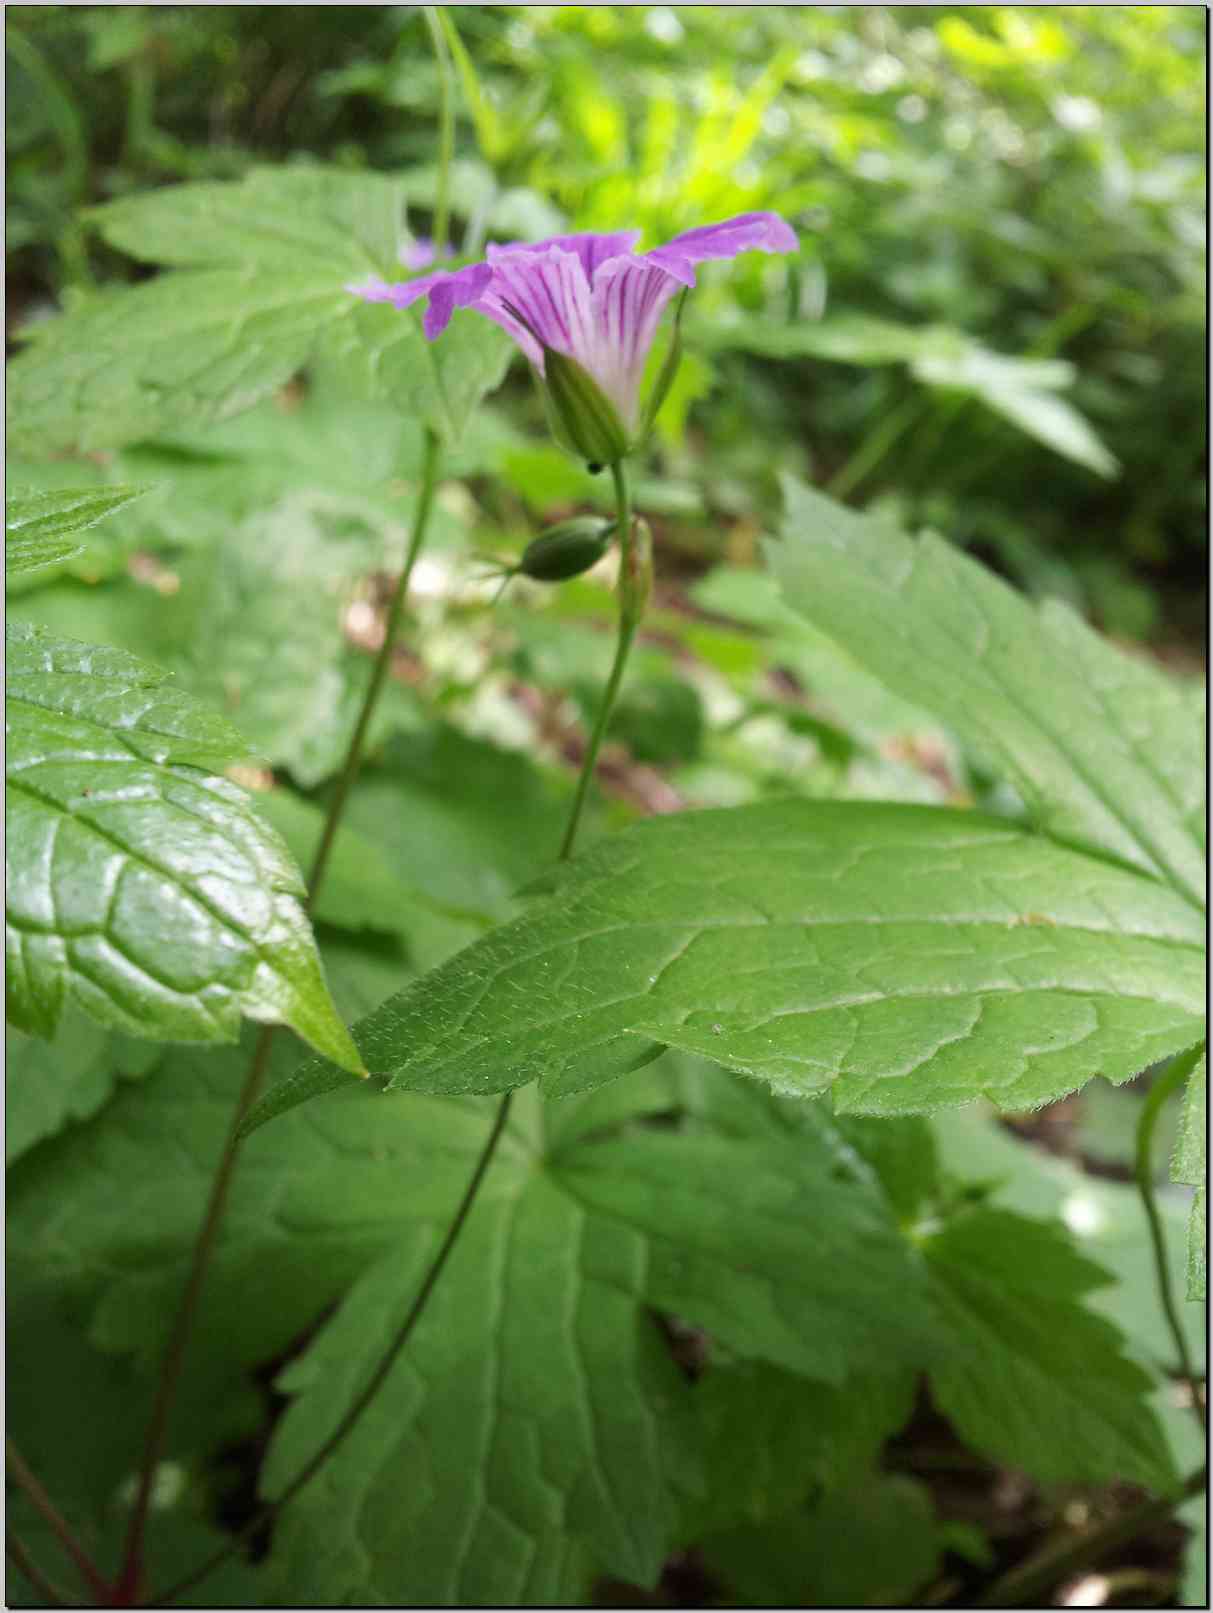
(183, 1322)
(25, 1564)
(54, 1519)
(446, 132)
(373, 1384)
(874, 447)
(1176, 1074)
(628, 623)
(1027, 1584)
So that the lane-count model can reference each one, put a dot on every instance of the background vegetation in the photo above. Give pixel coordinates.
(994, 329)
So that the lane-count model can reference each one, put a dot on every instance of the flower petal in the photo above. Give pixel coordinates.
(446, 291)
(630, 294)
(590, 250)
(552, 297)
(748, 232)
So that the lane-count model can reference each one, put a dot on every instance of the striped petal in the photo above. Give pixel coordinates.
(547, 294)
(630, 294)
(748, 232)
(446, 291)
(590, 250)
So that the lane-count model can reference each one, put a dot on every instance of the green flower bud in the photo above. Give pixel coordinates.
(582, 417)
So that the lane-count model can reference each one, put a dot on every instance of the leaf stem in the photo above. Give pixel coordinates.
(446, 131)
(42, 1503)
(127, 1589)
(629, 620)
(1175, 1075)
(1027, 1583)
(25, 1564)
(373, 1384)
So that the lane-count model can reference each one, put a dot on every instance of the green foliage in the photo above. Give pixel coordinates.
(1026, 1373)
(141, 887)
(39, 528)
(1190, 1165)
(258, 289)
(1102, 747)
(695, 1325)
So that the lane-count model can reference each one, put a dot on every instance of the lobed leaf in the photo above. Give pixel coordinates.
(141, 887)
(257, 289)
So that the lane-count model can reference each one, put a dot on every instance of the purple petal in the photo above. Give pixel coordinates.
(549, 291)
(446, 291)
(749, 232)
(629, 297)
(590, 250)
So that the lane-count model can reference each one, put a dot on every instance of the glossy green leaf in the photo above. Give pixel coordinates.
(1104, 748)
(1027, 1373)
(258, 289)
(40, 528)
(908, 958)
(141, 886)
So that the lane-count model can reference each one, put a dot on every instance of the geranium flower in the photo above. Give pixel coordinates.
(591, 299)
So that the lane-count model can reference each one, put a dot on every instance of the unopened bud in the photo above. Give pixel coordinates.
(566, 550)
(583, 418)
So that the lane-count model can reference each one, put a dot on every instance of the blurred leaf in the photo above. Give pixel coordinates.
(262, 268)
(872, 1546)
(40, 528)
(52, 1083)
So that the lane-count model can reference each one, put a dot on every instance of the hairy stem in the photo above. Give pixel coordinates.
(1176, 1074)
(42, 1503)
(377, 1378)
(25, 1564)
(127, 1589)
(446, 131)
(1027, 1584)
(628, 623)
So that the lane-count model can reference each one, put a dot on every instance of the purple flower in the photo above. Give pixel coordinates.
(592, 298)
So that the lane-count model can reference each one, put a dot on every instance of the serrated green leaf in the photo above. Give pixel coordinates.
(142, 887)
(1104, 748)
(257, 290)
(1027, 1373)
(910, 958)
(40, 527)
(1190, 1167)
